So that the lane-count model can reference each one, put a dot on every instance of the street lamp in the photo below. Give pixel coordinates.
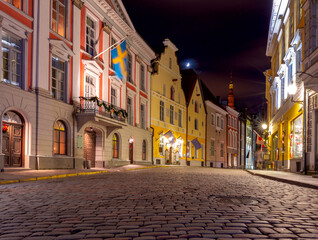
(292, 89)
(264, 126)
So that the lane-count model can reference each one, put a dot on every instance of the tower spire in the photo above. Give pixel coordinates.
(230, 97)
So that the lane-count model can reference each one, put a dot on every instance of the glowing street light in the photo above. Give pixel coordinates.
(264, 126)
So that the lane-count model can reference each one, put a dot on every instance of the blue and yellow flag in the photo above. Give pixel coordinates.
(119, 59)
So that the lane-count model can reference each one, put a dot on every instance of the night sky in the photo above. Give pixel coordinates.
(216, 37)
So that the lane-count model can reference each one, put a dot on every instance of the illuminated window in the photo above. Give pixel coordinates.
(16, 3)
(11, 59)
(90, 36)
(161, 146)
(59, 17)
(59, 138)
(58, 79)
(115, 146)
(144, 149)
(296, 137)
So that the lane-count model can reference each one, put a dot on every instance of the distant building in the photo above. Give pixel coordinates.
(232, 137)
(168, 108)
(196, 118)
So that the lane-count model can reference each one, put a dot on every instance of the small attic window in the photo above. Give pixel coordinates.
(170, 63)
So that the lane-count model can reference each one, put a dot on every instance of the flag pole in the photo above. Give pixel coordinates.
(115, 44)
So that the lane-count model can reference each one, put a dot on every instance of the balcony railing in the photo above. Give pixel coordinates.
(88, 106)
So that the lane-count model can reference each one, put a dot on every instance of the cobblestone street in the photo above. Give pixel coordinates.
(162, 203)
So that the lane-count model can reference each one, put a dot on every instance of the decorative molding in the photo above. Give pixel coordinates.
(107, 28)
(78, 3)
(138, 58)
(149, 68)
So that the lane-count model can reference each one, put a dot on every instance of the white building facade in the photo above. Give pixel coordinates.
(49, 78)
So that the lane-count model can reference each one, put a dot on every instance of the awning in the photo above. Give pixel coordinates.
(169, 135)
(196, 143)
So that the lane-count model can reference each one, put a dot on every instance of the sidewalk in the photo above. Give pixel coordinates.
(287, 177)
(16, 175)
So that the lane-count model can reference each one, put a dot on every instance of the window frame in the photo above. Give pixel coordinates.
(66, 17)
(130, 78)
(115, 146)
(162, 110)
(96, 27)
(143, 116)
(58, 82)
(196, 124)
(142, 78)
(130, 119)
(57, 138)
(212, 149)
(171, 114)
(144, 150)
(180, 118)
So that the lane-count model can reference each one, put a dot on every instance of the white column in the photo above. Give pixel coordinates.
(76, 50)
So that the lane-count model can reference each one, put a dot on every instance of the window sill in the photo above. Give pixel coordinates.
(61, 37)
(18, 10)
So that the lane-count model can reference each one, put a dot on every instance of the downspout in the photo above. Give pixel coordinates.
(304, 132)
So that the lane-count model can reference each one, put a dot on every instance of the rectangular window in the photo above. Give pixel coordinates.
(222, 150)
(212, 147)
(162, 111)
(222, 123)
(16, 3)
(290, 72)
(59, 17)
(11, 59)
(58, 79)
(142, 116)
(180, 118)
(161, 146)
(196, 124)
(212, 119)
(142, 77)
(171, 114)
(218, 121)
(202, 151)
(90, 86)
(130, 111)
(188, 149)
(90, 36)
(297, 137)
(130, 78)
(113, 98)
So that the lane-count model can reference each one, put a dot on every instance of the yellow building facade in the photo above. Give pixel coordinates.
(284, 88)
(168, 108)
(196, 119)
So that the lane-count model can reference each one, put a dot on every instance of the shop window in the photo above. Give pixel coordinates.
(59, 138)
(296, 137)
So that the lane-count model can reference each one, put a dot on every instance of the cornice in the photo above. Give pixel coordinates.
(78, 3)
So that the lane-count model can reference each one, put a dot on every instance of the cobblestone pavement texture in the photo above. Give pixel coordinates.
(161, 203)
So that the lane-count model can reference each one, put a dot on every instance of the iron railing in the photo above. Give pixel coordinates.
(87, 106)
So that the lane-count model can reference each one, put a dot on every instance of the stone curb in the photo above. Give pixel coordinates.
(69, 175)
(301, 184)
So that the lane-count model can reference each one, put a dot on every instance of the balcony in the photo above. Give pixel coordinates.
(89, 110)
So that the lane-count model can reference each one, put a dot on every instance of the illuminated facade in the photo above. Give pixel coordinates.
(232, 137)
(168, 108)
(285, 47)
(48, 66)
(196, 118)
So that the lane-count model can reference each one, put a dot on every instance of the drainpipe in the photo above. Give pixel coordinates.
(304, 170)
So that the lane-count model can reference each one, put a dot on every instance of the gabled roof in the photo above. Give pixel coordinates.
(189, 79)
(120, 9)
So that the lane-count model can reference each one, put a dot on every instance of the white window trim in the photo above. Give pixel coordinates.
(117, 90)
(66, 78)
(96, 20)
(67, 20)
(213, 117)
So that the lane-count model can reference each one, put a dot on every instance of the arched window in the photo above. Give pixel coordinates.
(115, 146)
(144, 149)
(59, 138)
(172, 93)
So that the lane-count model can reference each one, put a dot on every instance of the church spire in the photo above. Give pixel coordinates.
(230, 97)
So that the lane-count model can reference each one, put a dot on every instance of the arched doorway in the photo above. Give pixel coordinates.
(12, 139)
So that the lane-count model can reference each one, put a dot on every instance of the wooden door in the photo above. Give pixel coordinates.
(131, 152)
(12, 145)
(89, 147)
